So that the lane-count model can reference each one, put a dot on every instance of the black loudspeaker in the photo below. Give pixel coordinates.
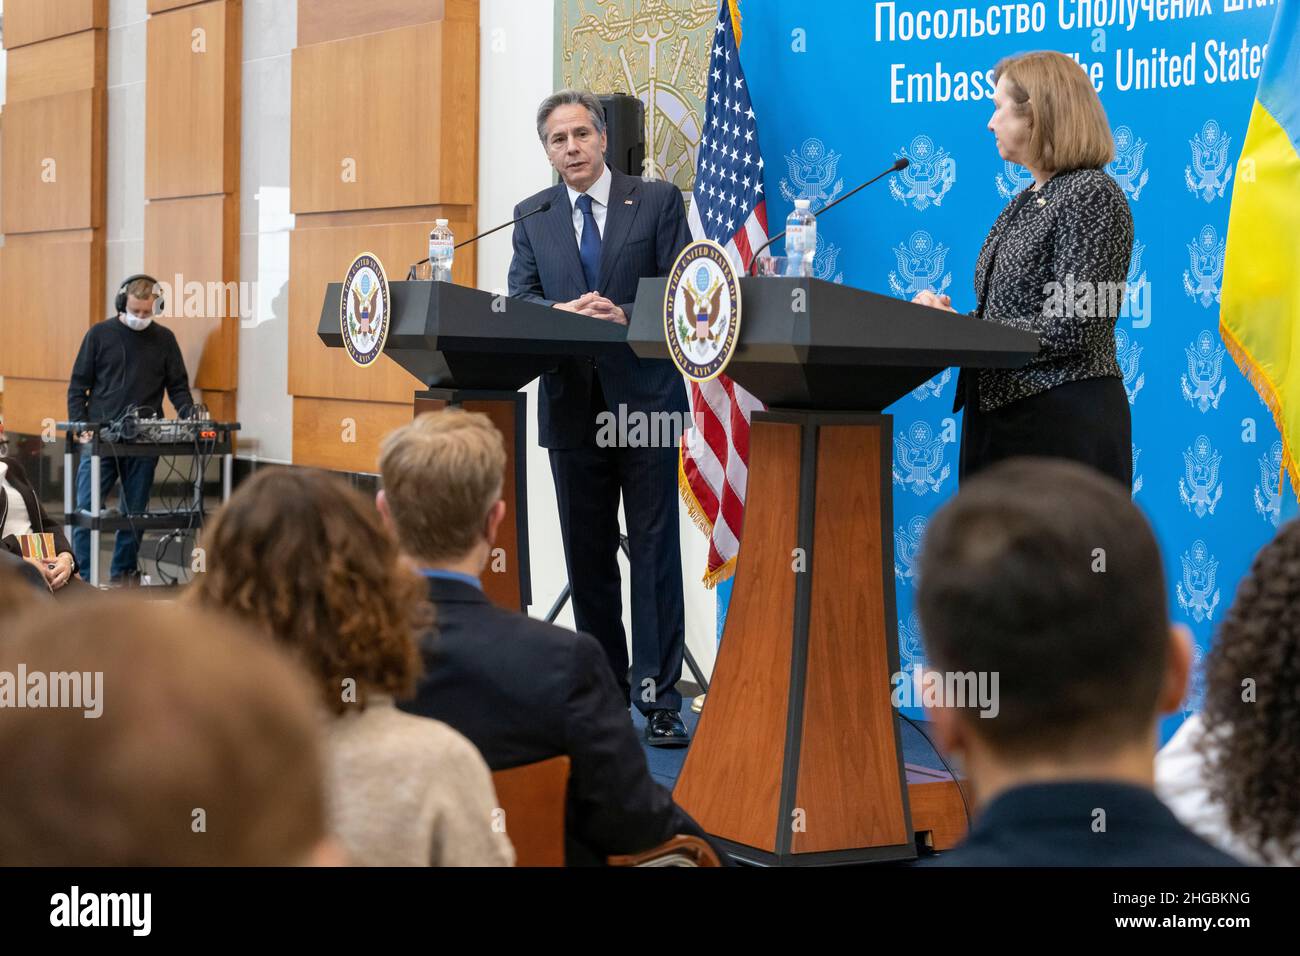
(625, 127)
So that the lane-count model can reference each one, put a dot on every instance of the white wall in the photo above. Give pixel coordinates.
(265, 407)
(4, 63)
(124, 227)
(516, 71)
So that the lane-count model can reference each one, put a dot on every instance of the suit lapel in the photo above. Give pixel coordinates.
(559, 223)
(624, 202)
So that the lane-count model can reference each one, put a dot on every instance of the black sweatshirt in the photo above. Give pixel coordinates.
(120, 368)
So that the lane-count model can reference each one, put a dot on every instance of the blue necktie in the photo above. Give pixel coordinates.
(589, 248)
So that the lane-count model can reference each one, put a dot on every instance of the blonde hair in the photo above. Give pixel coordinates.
(442, 474)
(142, 289)
(1067, 124)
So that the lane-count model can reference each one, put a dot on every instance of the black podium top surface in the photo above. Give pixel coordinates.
(804, 343)
(809, 344)
(453, 336)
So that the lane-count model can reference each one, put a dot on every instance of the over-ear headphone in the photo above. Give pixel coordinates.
(119, 303)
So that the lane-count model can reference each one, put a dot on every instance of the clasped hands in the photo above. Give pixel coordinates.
(933, 300)
(56, 572)
(595, 305)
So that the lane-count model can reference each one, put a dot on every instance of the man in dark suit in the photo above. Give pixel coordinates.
(586, 254)
(521, 690)
(1043, 609)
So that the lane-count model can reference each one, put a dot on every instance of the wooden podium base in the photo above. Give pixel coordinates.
(506, 579)
(797, 758)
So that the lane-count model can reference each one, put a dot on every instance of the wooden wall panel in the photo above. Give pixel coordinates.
(58, 66)
(30, 21)
(404, 135)
(197, 241)
(162, 6)
(29, 404)
(53, 290)
(343, 435)
(54, 163)
(319, 256)
(52, 199)
(193, 101)
(392, 87)
(221, 406)
(320, 21)
(193, 94)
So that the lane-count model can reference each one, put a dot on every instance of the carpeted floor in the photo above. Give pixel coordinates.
(666, 762)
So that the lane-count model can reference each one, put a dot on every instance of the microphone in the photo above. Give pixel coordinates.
(901, 163)
(410, 273)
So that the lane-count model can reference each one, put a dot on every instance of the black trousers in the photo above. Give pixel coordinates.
(1087, 421)
(589, 481)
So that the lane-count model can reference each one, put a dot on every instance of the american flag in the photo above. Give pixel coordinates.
(727, 206)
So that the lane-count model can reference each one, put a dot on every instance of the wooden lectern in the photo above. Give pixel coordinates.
(797, 758)
(475, 350)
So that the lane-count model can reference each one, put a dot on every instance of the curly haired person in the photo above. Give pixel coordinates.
(305, 558)
(1232, 772)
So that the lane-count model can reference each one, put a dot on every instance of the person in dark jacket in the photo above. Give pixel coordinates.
(125, 363)
(520, 689)
(603, 233)
(1043, 608)
(1054, 263)
(21, 513)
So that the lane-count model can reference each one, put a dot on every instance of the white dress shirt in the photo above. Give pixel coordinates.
(1181, 783)
(16, 520)
(599, 193)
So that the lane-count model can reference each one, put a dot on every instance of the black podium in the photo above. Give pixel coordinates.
(797, 758)
(475, 350)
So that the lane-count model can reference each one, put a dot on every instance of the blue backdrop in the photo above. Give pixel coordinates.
(842, 88)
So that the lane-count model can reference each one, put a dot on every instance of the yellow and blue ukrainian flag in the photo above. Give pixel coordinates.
(1259, 314)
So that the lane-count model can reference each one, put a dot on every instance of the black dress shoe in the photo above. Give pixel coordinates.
(664, 728)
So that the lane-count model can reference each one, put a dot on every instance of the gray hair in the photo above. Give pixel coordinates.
(570, 98)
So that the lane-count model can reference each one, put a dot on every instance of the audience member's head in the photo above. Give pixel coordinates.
(21, 589)
(443, 475)
(306, 559)
(1046, 574)
(1252, 704)
(182, 740)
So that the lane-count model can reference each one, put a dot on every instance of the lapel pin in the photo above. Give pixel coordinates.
(627, 202)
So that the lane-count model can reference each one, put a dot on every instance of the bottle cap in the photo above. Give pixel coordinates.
(802, 203)
(440, 222)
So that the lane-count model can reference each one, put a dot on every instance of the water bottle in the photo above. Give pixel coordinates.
(442, 251)
(800, 239)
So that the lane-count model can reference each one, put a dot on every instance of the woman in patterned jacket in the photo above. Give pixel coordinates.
(1054, 263)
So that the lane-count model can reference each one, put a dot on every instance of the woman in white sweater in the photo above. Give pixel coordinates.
(1232, 772)
(300, 554)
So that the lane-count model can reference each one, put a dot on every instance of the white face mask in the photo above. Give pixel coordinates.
(135, 324)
